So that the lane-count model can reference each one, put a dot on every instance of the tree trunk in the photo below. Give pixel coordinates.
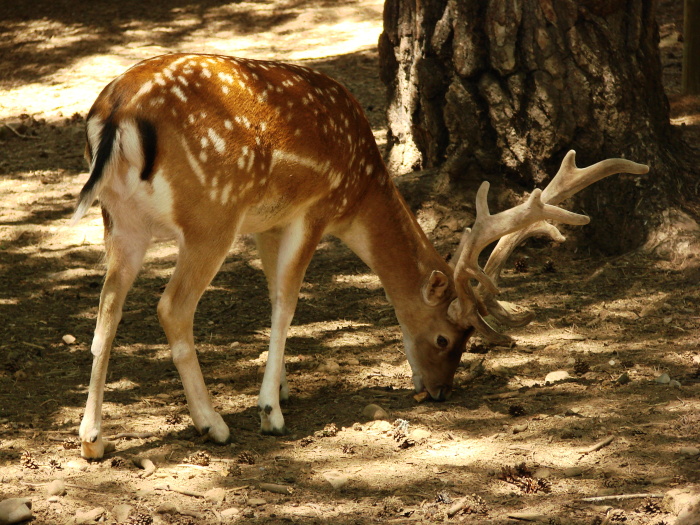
(489, 88)
(691, 48)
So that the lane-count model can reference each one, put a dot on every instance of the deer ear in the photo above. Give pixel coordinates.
(435, 288)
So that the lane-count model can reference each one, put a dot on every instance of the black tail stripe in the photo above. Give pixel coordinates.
(149, 145)
(104, 152)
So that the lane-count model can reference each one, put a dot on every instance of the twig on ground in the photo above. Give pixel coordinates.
(604, 443)
(276, 488)
(184, 492)
(13, 130)
(146, 464)
(132, 435)
(621, 496)
(457, 506)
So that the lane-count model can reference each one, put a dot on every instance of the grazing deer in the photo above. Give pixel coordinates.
(201, 148)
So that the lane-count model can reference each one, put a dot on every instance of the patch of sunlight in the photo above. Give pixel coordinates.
(364, 280)
(8, 301)
(306, 34)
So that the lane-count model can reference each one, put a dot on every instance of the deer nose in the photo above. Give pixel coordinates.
(441, 393)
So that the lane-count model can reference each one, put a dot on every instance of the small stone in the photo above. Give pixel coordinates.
(419, 434)
(380, 426)
(215, 496)
(690, 451)
(558, 375)
(121, 512)
(336, 479)
(623, 379)
(56, 488)
(77, 465)
(89, 516)
(679, 500)
(572, 411)
(674, 384)
(68, 339)
(256, 502)
(572, 472)
(52, 499)
(542, 473)
(374, 412)
(15, 510)
(329, 366)
(353, 361)
(664, 379)
(167, 508)
(230, 513)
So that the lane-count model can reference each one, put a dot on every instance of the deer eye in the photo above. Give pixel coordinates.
(442, 341)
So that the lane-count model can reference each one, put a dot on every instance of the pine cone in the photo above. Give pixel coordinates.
(649, 506)
(71, 444)
(140, 519)
(581, 367)
(173, 419)
(200, 458)
(516, 410)
(246, 457)
(521, 264)
(116, 462)
(28, 460)
(330, 430)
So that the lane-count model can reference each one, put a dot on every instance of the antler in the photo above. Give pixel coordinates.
(513, 227)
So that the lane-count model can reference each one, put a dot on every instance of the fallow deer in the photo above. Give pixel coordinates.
(201, 148)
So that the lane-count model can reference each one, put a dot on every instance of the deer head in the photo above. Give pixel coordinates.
(470, 295)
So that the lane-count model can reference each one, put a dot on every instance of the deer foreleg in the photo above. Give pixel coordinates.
(286, 256)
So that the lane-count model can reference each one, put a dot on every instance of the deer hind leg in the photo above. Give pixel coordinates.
(286, 254)
(125, 251)
(268, 244)
(198, 261)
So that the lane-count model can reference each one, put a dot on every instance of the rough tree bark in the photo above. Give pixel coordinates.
(490, 87)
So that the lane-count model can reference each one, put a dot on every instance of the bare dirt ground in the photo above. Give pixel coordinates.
(507, 441)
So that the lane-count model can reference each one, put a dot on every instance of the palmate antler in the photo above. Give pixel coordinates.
(512, 227)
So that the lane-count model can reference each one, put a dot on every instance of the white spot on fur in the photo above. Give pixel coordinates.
(226, 77)
(179, 93)
(228, 124)
(196, 167)
(216, 140)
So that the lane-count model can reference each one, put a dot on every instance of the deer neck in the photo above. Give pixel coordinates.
(387, 237)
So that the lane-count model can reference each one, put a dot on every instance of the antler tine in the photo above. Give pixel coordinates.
(568, 181)
(467, 309)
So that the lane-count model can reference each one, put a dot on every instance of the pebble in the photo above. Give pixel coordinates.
(558, 375)
(329, 366)
(690, 451)
(69, 339)
(572, 472)
(623, 379)
(88, 516)
(230, 513)
(336, 479)
(215, 496)
(121, 512)
(664, 379)
(374, 412)
(56, 488)
(256, 502)
(14, 510)
(674, 384)
(380, 426)
(167, 508)
(419, 434)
